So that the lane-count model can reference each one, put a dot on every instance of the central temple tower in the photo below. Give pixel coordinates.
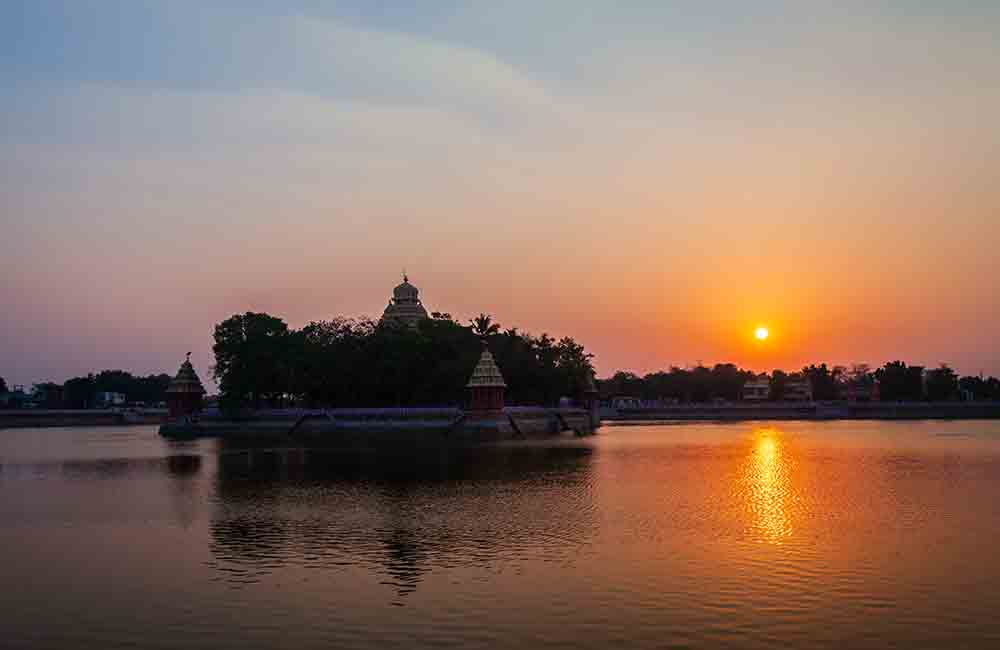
(405, 307)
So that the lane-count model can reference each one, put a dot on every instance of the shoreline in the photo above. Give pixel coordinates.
(809, 411)
(44, 418)
(47, 418)
(381, 427)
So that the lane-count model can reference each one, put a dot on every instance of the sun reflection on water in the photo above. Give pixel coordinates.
(767, 486)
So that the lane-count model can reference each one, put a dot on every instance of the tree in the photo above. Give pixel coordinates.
(483, 326)
(979, 388)
(3, 386)
(346, 362)
(727, 381)
(49, 394)
(78, 392)
(861, 374)
(623, 384)
(700, 384)
(993, 388)
(779, 379)
(942, 383)
(897, 381)
(822, 381)
(251, 359)
(573, 365)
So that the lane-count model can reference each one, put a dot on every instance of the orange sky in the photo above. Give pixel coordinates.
(827, 172)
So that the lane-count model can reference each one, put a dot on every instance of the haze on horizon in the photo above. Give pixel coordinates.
(654, 179)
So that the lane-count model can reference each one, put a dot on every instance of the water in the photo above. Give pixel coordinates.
(811, 535)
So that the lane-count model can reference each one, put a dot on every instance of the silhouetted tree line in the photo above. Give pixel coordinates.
(698, 384)
(80, 392)
(896, 382)
(345, 362)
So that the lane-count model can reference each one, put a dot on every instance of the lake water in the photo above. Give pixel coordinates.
(751, 535)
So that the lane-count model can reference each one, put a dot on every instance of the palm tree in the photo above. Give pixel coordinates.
(483, 326)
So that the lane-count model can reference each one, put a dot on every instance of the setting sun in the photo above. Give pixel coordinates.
(761, 333)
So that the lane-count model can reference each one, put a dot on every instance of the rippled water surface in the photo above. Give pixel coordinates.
(839, 534)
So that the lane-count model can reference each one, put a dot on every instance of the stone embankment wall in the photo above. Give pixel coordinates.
(28, 418)
(388, 427)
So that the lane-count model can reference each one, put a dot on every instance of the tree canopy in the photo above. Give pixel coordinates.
(360, 362)
(698, 384)
(79, 392)
(980, 388)
(942, 383)
(896, 381)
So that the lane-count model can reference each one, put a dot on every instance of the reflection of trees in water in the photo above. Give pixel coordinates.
(182, 471)
(402, 516)
(180, 465)
(405, 560)
(185, 488)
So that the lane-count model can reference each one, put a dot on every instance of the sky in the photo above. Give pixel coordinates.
(655, 179)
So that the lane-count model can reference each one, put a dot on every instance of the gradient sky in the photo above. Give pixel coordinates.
(654, 179)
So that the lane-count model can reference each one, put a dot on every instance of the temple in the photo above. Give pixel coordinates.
(487, 386)
(184, 395)
(405, 307)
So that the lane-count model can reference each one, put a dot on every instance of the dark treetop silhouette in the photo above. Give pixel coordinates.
(360, 362)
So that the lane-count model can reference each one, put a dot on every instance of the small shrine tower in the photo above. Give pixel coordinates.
(185, 391)
(486, 386)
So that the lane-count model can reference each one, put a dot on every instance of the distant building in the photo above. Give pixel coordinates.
(857, 391)
(798, 390)
(625, 402)
(405, 307)
(757, 389)
(107, 399)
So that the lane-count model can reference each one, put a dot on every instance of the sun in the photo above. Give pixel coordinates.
(761, 333)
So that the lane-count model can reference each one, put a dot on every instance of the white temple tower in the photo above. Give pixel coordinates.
(405, 307)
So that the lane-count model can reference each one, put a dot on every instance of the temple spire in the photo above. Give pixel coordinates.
(184, 394)
(405, 306)
(486, 386)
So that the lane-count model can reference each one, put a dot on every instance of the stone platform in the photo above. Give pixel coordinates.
(361, 428)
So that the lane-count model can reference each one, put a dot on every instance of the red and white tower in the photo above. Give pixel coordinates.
(486, 387)
(185, 391)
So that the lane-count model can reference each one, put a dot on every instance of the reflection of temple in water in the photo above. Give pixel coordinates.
(403, 519)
